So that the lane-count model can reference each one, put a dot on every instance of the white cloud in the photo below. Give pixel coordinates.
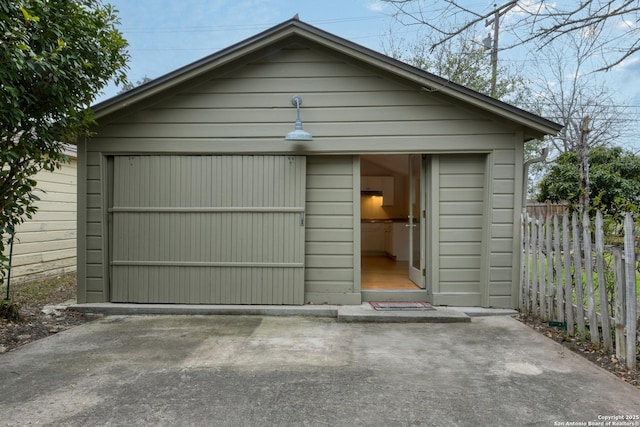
(375, 6)
(531, 7)
(626, 24)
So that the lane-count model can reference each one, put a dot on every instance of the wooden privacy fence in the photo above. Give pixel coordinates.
(536, 209)
(566, 266)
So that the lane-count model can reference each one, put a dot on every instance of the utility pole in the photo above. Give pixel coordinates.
(488, 42)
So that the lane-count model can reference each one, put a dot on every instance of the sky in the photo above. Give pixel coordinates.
(164, 35)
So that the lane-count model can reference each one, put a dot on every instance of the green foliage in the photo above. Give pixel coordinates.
(465, 61)
(126, 87)
(614, 176)
(10, 311)
(56, 56)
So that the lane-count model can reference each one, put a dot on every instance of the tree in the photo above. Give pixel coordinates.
(540, 22)
(614, 180)
(56, 56)
(567, 94)
(126, 87)
(463, 61)
(574, 98)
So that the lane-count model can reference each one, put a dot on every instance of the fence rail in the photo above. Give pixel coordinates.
(569, 276)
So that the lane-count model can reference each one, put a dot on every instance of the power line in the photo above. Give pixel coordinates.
(238, 27)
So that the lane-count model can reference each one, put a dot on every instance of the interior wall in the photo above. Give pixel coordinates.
(371, 206)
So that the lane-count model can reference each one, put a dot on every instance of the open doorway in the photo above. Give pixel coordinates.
(392, 218)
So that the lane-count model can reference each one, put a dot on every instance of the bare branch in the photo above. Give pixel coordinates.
(567, 95)
(542, 25)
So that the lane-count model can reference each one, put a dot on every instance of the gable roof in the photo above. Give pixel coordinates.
(537, 126)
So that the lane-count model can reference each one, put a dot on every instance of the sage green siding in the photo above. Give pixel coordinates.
(347, 106)
(461, 217)
(93, 202)
(351, 107)
(472, 219)
(331, 217)
(505, 192)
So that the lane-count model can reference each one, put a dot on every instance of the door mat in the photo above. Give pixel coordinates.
(391, 306)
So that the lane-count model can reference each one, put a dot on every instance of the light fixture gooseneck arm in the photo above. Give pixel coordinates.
(298, 134)
(297, 101)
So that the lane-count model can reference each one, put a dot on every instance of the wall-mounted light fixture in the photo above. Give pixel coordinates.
(298, 134)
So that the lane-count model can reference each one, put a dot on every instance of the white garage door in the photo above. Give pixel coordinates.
(208, 229)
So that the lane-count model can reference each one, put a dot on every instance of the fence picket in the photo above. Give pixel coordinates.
(558, 270)
(542, 285)
(525, 264)
(534, 268)
(602, 286)
(632, 294)
(568, 288)
(620, 312)
(549, 262)
(558, 253)
(588, 272)
(577, 273)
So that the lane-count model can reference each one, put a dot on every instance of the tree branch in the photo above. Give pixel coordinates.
(542, 26)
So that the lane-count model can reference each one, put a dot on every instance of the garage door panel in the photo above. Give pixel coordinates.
(224, 285)
(237, 237)
(209, 181)
(208, 229)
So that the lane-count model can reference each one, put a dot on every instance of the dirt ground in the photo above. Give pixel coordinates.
(36, 324)
(586, 349)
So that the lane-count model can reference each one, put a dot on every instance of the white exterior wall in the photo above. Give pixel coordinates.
(45, 246)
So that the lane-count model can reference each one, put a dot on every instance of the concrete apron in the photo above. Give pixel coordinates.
(347, 313)
(269, 370)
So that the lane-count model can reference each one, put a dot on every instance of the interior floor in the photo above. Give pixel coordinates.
(383, 273)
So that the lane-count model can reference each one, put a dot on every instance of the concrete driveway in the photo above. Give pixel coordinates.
(261, 371)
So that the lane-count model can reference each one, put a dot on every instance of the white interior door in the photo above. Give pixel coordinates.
(416, 221)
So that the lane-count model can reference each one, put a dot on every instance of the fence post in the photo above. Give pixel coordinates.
(602, 286)
(588, 272)
(620, 314)
(523, 248)
(526, 263)
(577, 272)
(529, 264)
(632, 294)
(568, 288)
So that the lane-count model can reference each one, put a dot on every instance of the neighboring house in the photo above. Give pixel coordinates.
(189, 192)
(45, 245)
